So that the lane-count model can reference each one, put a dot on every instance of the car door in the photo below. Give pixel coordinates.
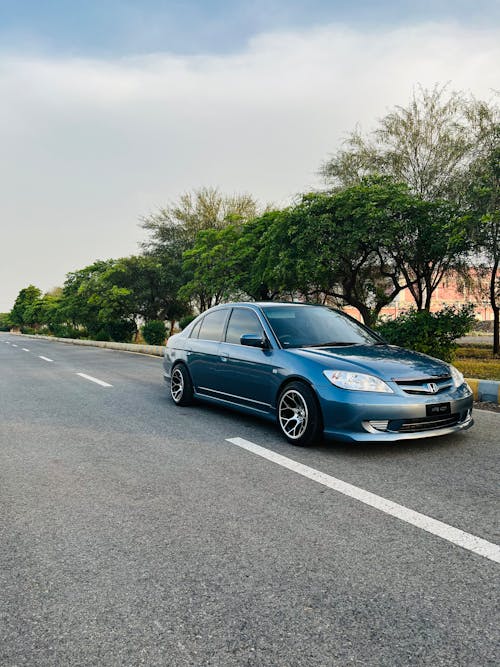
(248, 376)
(203, 352)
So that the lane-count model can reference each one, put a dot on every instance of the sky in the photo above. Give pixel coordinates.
(110, 109)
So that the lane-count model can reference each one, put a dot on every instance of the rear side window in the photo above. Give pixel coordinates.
(242, 321)
(196, 330)
(212, 326)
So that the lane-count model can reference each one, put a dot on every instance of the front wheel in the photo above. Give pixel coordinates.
(299, 416)
(181, 387)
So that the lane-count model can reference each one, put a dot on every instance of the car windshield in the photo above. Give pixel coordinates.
(315, 326)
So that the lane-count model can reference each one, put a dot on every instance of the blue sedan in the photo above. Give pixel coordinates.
(316, 372)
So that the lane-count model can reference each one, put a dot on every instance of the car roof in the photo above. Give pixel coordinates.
(265, 304)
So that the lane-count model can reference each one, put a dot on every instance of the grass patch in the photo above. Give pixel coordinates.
(477, 362)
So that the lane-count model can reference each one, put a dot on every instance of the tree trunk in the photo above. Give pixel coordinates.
(496, 307)
(369, 318)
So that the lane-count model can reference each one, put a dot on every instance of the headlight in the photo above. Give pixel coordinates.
(457, 377)
(357, 381)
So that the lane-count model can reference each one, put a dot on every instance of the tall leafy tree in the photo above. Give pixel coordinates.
(363, 244)
(212, 265)
(151, 289)
(483, 196)
(89, 300)
(427, 144)
(331, 245)
(26, 307)
(173, 231)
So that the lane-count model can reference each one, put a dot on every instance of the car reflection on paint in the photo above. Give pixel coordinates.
(316, 372)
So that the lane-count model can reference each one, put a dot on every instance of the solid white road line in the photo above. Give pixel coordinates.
(454, 535)
(44, 358)
(92, 379)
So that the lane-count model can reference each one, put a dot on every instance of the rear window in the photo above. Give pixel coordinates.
(212, 326)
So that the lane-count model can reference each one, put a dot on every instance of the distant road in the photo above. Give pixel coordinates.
(133, 532)
(477, 340)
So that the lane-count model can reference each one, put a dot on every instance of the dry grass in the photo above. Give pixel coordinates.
(477, 362)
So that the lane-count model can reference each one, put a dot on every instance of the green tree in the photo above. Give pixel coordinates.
(173, 231)
(432, 239)
(483, 198)
(253, 277)
(4, 321)
(76, 306)
(428, 144)
(362, 245)
(150, 285)
(229, 263)
(205, 208)
(49, 312)
(24, 313)
(212, 264)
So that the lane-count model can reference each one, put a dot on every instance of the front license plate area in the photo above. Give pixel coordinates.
(437, 409)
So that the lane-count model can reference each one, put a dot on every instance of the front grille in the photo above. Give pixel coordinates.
(427, 386)
(423, 423)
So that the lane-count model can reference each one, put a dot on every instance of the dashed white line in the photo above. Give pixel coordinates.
(14, 345)
(93, 379)
(44, 358)
(454, 535)
(25, 349)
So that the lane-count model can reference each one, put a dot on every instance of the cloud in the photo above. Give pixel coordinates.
(90, 145)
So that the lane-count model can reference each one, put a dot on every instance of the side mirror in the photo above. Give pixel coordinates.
(254, 340)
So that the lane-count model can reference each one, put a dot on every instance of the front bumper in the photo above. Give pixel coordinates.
(370, 417)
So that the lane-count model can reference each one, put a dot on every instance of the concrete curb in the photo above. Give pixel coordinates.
(155, 350)
(483, 390)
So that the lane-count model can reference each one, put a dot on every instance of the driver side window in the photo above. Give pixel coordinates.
(242, 321)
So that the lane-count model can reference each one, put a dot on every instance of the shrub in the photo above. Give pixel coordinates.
(121, 331)
(431, 333)
(102, 335)
(66, 331)
(154, 332)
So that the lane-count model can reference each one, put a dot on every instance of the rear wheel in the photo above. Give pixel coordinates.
(299, 417)
(181, 387)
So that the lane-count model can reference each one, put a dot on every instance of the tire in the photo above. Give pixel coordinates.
(298, 415)
(181, 387)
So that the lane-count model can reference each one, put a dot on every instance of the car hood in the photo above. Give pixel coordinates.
(386, 361)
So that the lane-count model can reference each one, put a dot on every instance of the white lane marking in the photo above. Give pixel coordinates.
(44, 358)
(454, 535)
(14, 345)
(92, 379)
(25, 349)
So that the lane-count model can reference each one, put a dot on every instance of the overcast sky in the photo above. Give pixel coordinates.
(111, 109)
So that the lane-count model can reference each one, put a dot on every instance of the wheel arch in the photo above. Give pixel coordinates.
(298, 378)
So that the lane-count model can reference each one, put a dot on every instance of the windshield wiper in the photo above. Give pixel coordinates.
(334, 343)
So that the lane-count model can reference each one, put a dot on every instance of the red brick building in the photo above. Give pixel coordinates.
(452, 291)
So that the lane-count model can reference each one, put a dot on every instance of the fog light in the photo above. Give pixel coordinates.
(376, 425)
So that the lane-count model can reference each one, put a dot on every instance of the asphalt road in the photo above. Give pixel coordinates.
(133, 533)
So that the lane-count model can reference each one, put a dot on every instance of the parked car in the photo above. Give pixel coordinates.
(315, 371)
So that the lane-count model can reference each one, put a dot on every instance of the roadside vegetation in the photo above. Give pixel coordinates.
(477, 362)
(403, 206)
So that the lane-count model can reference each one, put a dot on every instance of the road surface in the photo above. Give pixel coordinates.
(133, 532)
